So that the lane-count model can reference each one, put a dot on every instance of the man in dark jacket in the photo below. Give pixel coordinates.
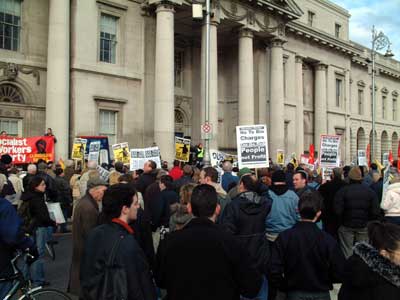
(86, 214)
(244, 217)
(11, 238)
(213, 266)
(300, 183)
(355, 205)
(148, 176)
(305, 260)
(328, 191)
(120, 206)
(64, 196)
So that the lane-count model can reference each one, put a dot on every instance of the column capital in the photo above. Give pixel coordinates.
(246, 32)
(277, 42)
(299, 59)
(165, 6)
(320, 66)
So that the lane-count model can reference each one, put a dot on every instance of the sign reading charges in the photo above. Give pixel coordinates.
(329, 151)
(252, 146)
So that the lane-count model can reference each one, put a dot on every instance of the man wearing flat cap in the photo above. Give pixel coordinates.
(85, 218)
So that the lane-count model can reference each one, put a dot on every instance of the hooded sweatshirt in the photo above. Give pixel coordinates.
(391, 203)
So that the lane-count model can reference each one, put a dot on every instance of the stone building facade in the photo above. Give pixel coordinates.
(134, 70)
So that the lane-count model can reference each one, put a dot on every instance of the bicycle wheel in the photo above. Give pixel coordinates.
(46, 294)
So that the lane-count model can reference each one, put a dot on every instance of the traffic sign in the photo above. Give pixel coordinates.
(206, 131)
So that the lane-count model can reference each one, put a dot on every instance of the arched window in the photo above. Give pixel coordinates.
(10, 93)
(179, 117)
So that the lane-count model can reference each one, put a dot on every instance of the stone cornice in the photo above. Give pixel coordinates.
(334, 7)
(382, 69)
(312, 34)
(112, 4)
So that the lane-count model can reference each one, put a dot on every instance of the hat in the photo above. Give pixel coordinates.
(96, 181)
(355, 174)
(244, 171)
(6, 159)
(278, 176)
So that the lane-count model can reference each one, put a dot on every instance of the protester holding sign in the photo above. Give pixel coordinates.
(182, 149)
(252, 145)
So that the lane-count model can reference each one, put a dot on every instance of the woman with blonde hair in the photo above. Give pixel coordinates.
(179, 213)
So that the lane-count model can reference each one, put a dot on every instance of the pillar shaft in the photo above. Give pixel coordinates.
(57, 90)
(300, 105)
(246, 78)
(320, 115)
(277, 115)
(164, 109)
(213, 105)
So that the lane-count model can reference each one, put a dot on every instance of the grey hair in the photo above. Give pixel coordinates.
(227, 166)
(31, 168)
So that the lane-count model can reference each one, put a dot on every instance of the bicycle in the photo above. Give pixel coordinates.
(23, 285)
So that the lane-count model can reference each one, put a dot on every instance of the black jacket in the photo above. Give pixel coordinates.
(144, 181)
(356, 205)
(64, 193)
(203, 261)
(245, 217)
(129, 256)
(38, 209)
(185, 179)
(305, 258)
(370, 276)
(328, 191)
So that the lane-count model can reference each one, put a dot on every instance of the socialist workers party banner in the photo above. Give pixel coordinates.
(252, 146)
(28, 150)
(329, 151)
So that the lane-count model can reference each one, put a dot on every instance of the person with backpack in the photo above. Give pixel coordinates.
(37, 220)
(244, 217)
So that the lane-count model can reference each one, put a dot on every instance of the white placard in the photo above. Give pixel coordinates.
(94, 150)
(362, 158)
(252, 146)
(385, 159)
(329, 151)
(104, 174)
(217, 157)
(140, 155)
(55, 212)
(386, 181)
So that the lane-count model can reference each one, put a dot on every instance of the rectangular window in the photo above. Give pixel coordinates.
(339, 92)
(311, 16)
(179, 56)
(360, 102)
(338, 28)
(394, 109)
(10, 126)
(10, 24)
(108, 38)
(108, 125)
(284, 79)
(383, 107)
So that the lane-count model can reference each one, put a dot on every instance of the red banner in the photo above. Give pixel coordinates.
(369, 154)
(398, 157)
(311, 155)
(390, 157)
(28, 150)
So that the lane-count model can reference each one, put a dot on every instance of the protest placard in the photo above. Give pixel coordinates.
(386, 182)
(79, 148)
(280, 157)
(55, 212)
(385, 159)
(329, 151)
(104, 174)
(94, 150)
(140, 155)
(252, 146)
(362, 158)
(121, 152)
(182, 149)
(217, 157)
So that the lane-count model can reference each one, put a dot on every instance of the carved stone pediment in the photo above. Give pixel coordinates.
(395, 93)
(384, 90)
(361, 83)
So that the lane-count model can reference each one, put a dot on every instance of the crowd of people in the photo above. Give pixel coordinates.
(190, 232)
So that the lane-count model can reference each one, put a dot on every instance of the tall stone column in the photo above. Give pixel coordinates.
(300, 105)
(246, 77)
(164, 109)
(213, 105)
(57, 90)
(320, 115)
(277, 107)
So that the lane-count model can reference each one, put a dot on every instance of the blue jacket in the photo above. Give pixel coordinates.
(227, 179)
(283, 213)
(11, 236)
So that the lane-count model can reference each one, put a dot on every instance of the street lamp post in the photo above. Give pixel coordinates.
(379, 42)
